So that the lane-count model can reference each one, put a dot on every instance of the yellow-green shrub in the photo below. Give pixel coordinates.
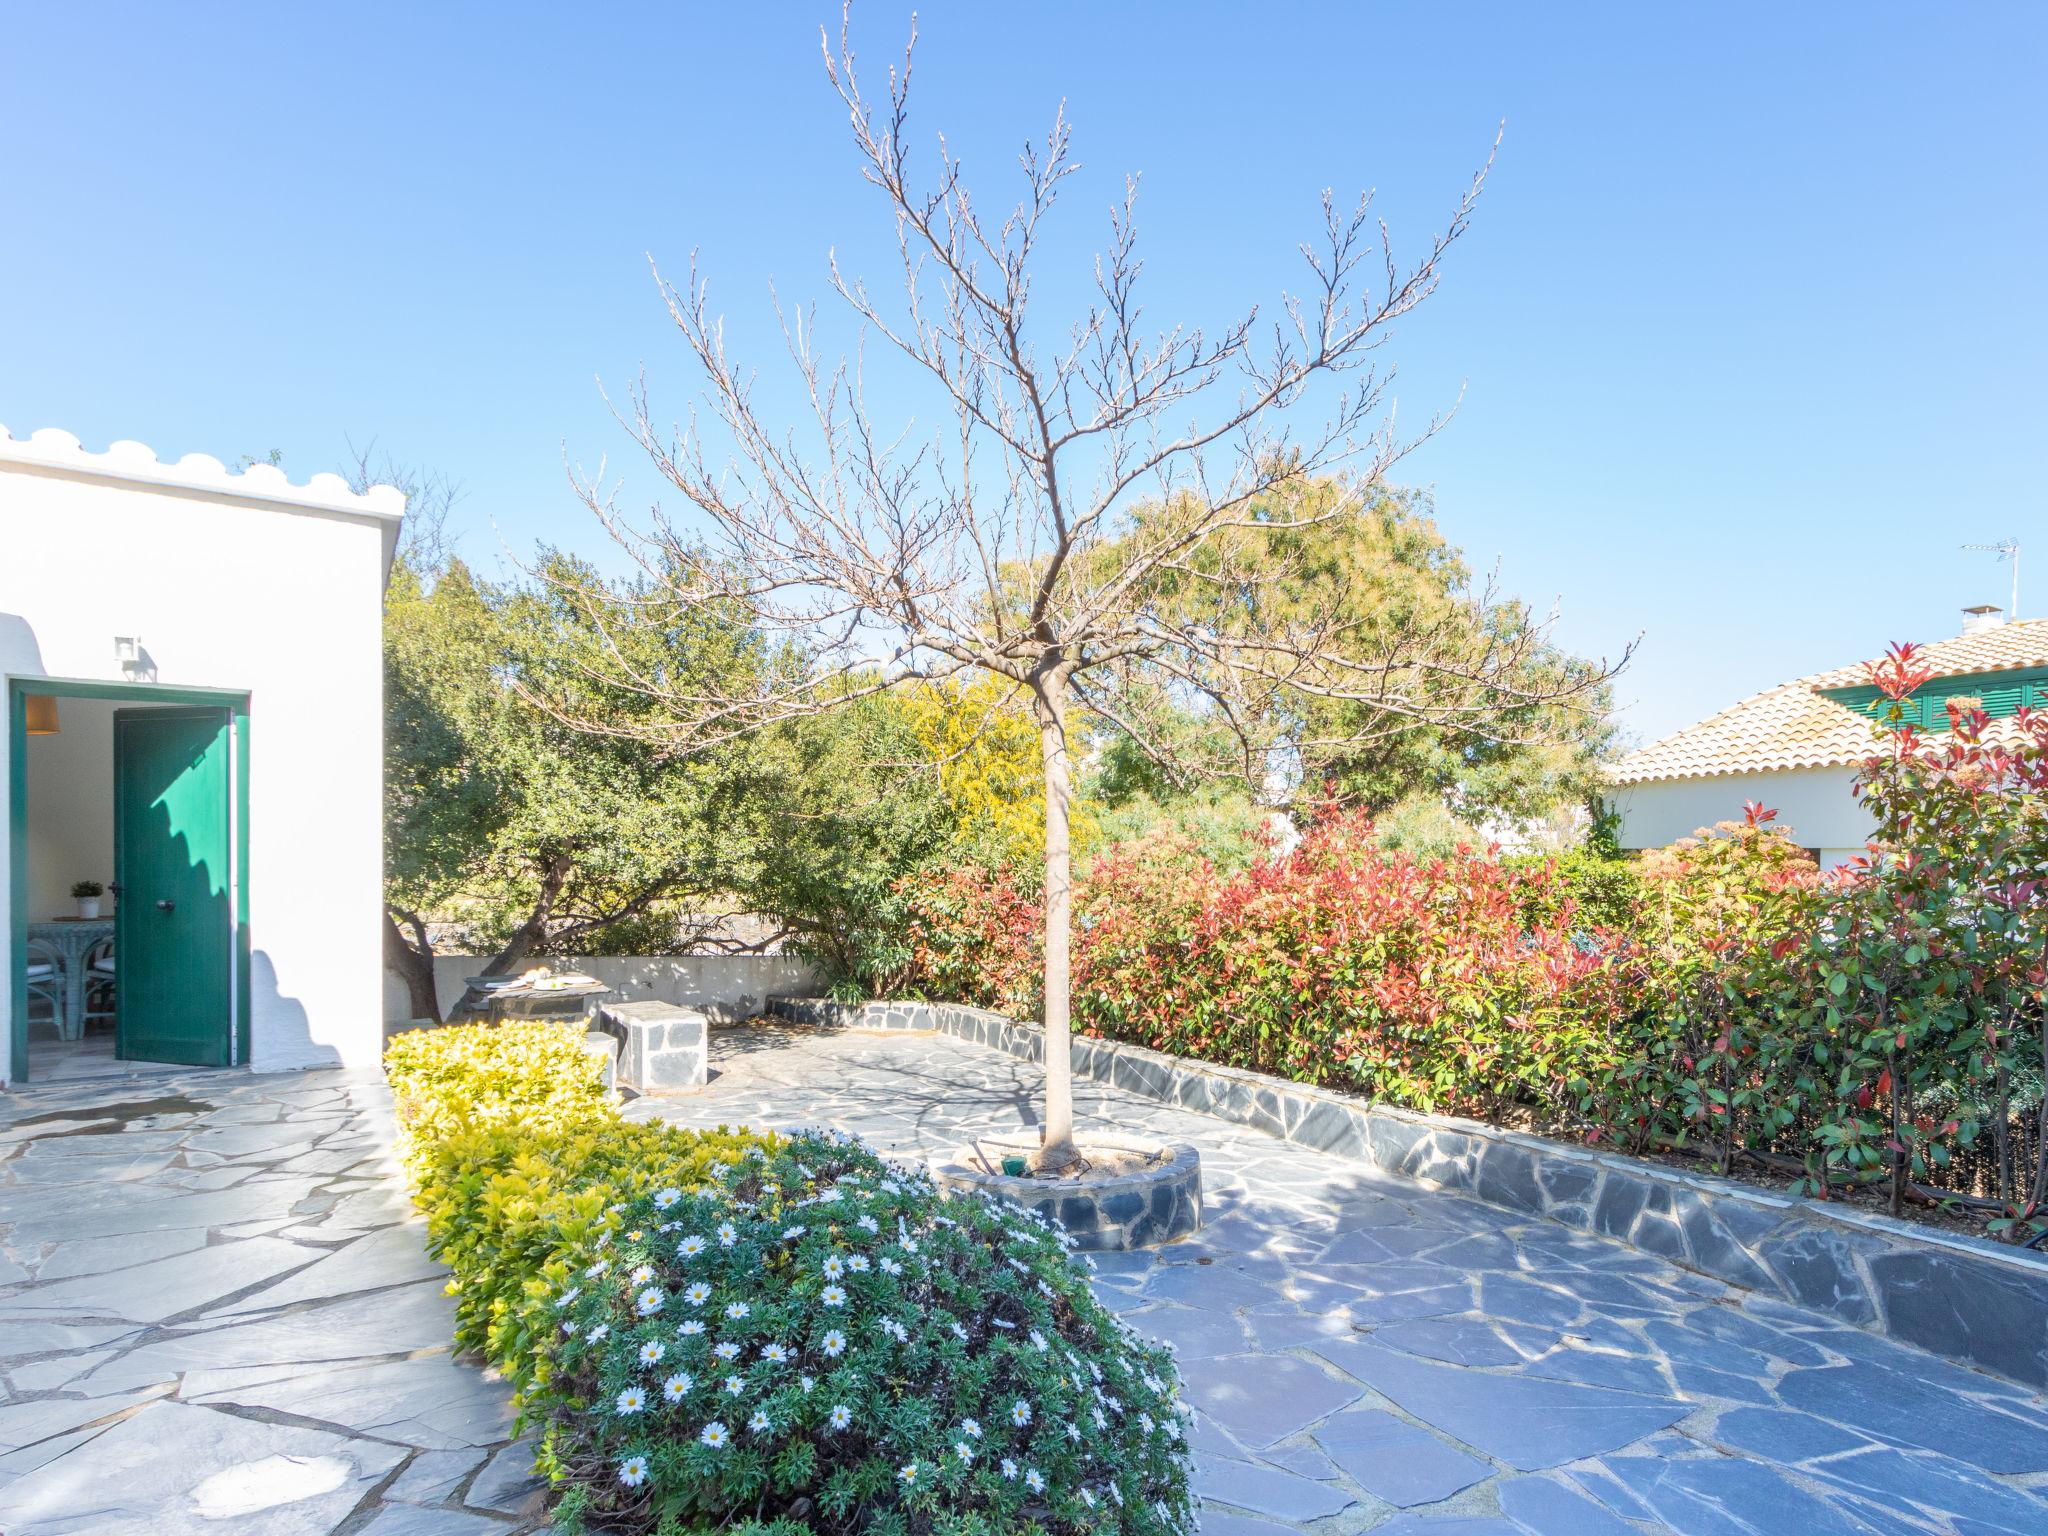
(517, 1158)
(532, 1074)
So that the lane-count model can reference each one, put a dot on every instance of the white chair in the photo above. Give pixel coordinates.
(46, 981)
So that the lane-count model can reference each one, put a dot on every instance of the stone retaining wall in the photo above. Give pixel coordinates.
(1963, 1298)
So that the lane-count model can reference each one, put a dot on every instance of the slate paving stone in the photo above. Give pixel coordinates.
(430, 1401)
(1194, 1332)
(1454, 1340)
(1908, 1411)
(411, 1520)
(1937, 1484)
(1726, 1496)
(1528, 1423)
(1267, 1490)
(1781, 1435)
(1394, 1460)
(508, 1482)
(163, 1288)
(389, 1256)
(175, 1469)
(1306, 1255)
(433, 1476)
(1263, 1398)
(1544, 1508)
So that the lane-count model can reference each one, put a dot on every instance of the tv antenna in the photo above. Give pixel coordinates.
(2006, 549)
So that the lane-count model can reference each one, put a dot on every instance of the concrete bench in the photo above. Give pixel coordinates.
(662, 1048)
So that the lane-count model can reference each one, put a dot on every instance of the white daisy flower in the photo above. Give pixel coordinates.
(727, 1234)
(690, 1246)
(964, 1451)
(869, 1225)
(840, 1416)
(758, 1423)
(727, 1351)
(907, 1473)
(652, 1351)
(714, 1435)
(641, 1275)
(737, 1310)
(971, 1428)
(832, 1296)
(597, 1333)
(1009, 1469)
(1117, 1494)
(791, 1234)
(678, 1384)
(1101, 1419)
(697, 1293)
(568, 1325)
(597, 1269)
(775, 1353)
(833, 1344)
(1020, 1413)
(858, 1263)
(690, 1329)
(1073, 1431)
(833, 1266)
(568, 1296)
(1087, 1498)
(632, 1400)
(633, 1471)
(889, 1265)
(664, 1198)
(958, 1332)
(734, 1386)
(808, 1383)
(650, 1301)
(1003, 1323)
(1033, 1480)
(1038, 1341)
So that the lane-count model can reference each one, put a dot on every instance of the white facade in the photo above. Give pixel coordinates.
(244, 584)
(1814, 805)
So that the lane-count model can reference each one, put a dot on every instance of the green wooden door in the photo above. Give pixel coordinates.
(173, 926)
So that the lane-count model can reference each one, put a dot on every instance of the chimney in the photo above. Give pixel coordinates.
(1982, 617)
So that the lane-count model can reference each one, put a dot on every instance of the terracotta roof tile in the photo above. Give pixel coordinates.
(1794, 726)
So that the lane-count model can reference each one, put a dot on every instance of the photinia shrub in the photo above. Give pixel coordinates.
(818, 1342)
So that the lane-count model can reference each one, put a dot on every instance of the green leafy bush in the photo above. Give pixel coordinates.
(516, 1154)
(534, 1075)
(817, 1342)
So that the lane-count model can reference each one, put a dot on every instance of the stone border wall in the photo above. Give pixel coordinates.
(1976, 1302)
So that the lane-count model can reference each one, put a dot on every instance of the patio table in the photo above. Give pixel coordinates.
(73, 938)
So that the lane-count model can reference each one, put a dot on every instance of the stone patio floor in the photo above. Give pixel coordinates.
(215, 1316)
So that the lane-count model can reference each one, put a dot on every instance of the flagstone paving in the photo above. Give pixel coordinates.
(215, 1317)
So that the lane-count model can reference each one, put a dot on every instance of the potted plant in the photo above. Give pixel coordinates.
(87, 894)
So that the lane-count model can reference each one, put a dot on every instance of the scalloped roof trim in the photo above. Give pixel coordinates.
(53, 448)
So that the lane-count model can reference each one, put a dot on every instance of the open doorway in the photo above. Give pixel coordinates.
(127, 881)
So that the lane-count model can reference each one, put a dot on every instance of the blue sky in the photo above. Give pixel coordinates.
(1751, 327)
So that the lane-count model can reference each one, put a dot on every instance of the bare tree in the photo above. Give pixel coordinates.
(1077, 477)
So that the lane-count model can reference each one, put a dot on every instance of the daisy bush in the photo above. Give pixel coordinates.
(812, 1340)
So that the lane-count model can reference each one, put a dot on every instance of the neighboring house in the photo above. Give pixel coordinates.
(191, 667)
(1798, 747)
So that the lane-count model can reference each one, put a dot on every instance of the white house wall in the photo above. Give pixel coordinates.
(243, 593)
(1813, 804)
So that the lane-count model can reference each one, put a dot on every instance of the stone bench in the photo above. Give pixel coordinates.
(662, 1048)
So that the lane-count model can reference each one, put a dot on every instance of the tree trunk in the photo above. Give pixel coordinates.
(554, 876)
(412, 962)
(1049, 704)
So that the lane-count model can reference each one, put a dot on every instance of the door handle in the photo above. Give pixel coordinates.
(165, 906)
